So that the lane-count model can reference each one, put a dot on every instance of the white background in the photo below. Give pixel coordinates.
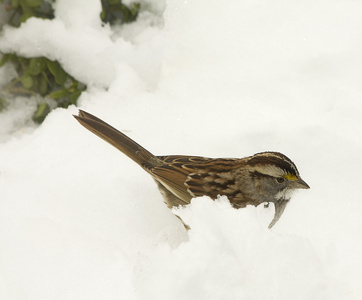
(79, 220)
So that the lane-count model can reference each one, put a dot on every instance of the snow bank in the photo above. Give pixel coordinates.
(80, 220)
(231, 254)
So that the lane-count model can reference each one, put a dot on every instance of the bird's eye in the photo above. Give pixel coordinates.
(280, 179)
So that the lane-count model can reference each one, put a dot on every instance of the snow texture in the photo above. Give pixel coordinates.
(79, 220)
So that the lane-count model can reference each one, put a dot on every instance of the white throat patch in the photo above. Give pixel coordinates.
(284, 194)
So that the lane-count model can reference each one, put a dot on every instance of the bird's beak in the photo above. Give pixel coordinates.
(300, 184)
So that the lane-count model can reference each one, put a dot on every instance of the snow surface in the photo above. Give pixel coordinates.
(79, 220)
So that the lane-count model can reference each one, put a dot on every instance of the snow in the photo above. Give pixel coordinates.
(79, 220)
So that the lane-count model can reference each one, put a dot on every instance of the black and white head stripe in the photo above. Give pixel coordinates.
(273, 164)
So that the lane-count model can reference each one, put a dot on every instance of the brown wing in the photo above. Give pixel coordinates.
(174, 173)
(183, 177)
(192, 176)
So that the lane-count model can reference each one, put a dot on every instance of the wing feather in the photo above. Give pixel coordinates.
(193, 176)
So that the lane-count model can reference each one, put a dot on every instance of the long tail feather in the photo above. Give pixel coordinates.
(116, 138)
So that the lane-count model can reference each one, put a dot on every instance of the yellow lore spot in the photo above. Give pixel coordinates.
(290, 176)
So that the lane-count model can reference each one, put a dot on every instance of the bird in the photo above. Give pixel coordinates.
(265, 177)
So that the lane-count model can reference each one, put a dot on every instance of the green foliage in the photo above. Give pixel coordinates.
(41, 112)
(3, 104)
(114, 12)
(21, 10)
(39, 75)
